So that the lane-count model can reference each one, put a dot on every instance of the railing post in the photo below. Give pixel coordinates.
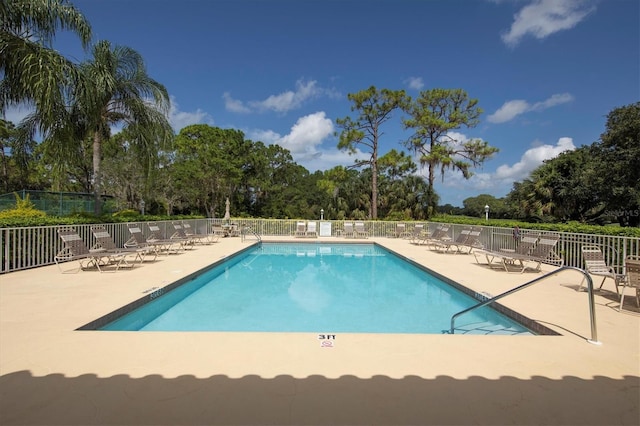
(592, 305)
(5, 255)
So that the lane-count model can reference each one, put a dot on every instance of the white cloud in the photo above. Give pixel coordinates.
(541, 18)
(557, 99)
(456, 139)
(511, 109)
(282, 102)
(234, 105)
(414, 83)
(268, 137)
(500, 182)
(308, 132)
(478, 183)
(180, 119)
(304, 139)
(532, 159)
(289, 100)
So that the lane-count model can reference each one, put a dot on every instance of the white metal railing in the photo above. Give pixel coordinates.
(31, 247)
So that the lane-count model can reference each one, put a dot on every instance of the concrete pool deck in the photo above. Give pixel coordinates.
(51, 374)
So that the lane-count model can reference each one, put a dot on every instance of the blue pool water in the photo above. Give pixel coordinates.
(315, 287)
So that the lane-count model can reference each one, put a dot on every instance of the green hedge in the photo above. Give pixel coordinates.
(133, 216)
(84, 219)
(573, 227)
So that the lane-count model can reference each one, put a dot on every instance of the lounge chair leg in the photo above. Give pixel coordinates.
(617, 282)
(602, 283)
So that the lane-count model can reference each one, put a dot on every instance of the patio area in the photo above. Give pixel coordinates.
(54, 375)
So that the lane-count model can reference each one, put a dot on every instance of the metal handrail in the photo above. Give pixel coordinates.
(592, 311)
(248, 229)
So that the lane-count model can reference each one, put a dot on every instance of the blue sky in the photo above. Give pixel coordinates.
(545, 72)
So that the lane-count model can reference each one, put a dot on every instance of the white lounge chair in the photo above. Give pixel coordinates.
(458, 244)
(348, 231)
(311, 230)
(201, 238)
(161, 245)
(177, 238)
(526, 244)
(632, 278)
(595, 264)
(400, 231)
(418, 234)
(180, 232)
(301, 230)
(138, 239)
(473, 240)
(542, 251)
(360, 231)
(441, 233)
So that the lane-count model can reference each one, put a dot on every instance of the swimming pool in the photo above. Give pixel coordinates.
(313, 287)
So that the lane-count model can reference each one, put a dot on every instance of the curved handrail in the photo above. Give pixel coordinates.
(247, 229)
(592, 311)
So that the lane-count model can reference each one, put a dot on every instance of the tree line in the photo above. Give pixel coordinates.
(75, 106)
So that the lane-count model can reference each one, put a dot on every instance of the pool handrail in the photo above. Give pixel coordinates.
(245, 230)
(592, 311)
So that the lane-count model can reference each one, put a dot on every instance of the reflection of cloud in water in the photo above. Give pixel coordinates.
(307, 290)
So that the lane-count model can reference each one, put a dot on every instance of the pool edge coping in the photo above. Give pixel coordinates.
(153, 293)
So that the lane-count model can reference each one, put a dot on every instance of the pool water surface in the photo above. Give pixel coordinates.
(315, 287)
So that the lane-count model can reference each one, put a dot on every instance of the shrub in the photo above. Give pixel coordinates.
(128, 213)
(573, 227)
(24, 209)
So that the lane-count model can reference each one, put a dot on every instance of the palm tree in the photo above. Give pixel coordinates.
(32, 72)
(114, 89)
